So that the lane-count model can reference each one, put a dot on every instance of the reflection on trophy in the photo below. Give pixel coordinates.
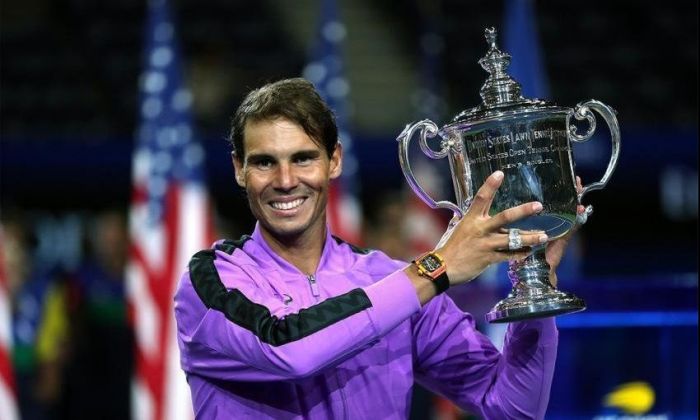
(530, 141)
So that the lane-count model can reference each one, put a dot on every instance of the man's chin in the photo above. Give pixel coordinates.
(286, 233)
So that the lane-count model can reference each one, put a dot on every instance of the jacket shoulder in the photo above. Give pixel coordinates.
(371, 261)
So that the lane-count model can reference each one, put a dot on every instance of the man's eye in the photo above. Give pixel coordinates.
(303, 160)
(263, 164)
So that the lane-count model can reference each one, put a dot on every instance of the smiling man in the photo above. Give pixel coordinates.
(286, 175)
(292, 322)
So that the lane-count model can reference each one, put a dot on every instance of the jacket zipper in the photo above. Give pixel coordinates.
(317, 293)
(314, 285)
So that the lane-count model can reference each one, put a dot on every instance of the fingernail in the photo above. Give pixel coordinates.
(542, 238)
(537, 207)
(498, 175)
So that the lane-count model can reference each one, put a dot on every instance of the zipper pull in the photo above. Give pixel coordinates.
(314, 285)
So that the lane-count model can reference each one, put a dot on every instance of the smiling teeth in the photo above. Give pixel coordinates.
(287, 206)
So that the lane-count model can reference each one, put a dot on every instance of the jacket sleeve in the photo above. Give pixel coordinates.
(457, 361)
(234, 334)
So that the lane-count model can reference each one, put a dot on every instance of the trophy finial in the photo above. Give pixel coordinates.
(499, 88)
(490, 34)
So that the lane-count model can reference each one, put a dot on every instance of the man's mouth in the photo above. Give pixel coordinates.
(287, 205)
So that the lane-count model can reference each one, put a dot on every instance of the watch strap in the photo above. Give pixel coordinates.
(441, 282)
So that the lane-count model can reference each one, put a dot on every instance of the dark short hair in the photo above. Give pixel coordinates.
(293, 99)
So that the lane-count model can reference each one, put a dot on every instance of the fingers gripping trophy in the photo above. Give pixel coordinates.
(530, 141)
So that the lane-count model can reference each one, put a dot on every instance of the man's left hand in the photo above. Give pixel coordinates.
(555, 249)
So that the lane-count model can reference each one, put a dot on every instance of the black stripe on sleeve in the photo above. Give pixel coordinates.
(229, 245)
(257, 318)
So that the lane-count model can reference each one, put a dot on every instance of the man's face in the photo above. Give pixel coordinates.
(286, 176)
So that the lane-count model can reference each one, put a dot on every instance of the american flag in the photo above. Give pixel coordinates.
(168, 222)
(325, 70)
(8, 391)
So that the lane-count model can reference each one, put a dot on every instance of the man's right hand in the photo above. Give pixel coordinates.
(479, 240)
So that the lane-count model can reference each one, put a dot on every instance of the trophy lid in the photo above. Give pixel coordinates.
(500, 91)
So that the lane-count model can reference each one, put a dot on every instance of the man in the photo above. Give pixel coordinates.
(292, 322)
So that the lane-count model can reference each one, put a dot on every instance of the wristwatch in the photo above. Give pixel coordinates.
(432, 266)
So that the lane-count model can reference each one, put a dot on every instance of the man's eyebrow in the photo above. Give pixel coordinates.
(257, 157)
(306, 154)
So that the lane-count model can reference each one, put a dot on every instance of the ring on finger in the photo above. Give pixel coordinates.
(515, 241)
(583, 217)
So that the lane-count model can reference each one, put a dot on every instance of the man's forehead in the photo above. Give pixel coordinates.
(277, 134)
(281, 122)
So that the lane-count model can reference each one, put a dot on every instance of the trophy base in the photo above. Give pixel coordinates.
(518, 308)
(533, 295)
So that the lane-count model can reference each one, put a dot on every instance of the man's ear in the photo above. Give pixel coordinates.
(336, 161)
(238, 168)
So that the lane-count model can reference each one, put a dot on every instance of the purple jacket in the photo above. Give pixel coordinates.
(259, 339)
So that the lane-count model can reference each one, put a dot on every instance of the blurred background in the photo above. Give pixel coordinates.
(78, 80)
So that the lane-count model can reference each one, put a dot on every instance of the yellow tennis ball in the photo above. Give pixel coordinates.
(632, 397)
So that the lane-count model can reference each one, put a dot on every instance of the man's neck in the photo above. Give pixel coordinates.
(302, 251)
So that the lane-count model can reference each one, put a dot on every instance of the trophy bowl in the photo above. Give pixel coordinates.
(530, 140)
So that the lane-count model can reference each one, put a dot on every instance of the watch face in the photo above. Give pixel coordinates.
(431, 263)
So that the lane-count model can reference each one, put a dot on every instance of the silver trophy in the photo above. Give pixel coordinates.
(530, 141)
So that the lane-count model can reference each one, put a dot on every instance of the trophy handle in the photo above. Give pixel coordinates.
(583, 111)
(427, 129)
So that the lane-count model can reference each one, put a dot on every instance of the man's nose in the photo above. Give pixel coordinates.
(286, 178)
